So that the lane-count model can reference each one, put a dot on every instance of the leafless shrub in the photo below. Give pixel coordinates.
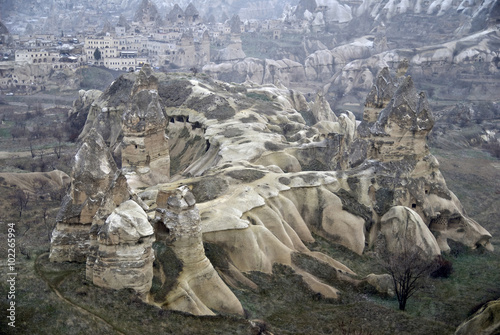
(408, 267)
(21, 199)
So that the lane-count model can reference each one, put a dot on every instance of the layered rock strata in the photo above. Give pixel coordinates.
(92, 176)
(401, 128)
(198, 289)
(266, 184)
(118, 193)
(125, 255)
(144, 148)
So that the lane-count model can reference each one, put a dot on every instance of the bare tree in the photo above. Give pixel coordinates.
(33, 165)
(39, 109)
(59, 136)
(24, 250)
(58, 194)
(17, 132)
(408, 268)
(32, 148)
(41, 153)
(47, 221)
(42, 187)
(33, 137)
(21, 200)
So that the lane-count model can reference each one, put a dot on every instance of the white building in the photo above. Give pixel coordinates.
(34, 56)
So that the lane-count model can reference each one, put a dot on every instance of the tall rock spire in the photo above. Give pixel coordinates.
(92, 175)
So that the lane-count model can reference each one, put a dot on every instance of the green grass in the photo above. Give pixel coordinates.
(475, 280)
(258, 96)
(282, 301)
(471, 174)
(5, 132)
(451, 300)
(362, 265)
(289, 307)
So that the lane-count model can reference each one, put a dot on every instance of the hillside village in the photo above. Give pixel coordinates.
(311, 46)
(252, 162)
(180, 40)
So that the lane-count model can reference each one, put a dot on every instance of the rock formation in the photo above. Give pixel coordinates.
(144, 147)
(5, 37)
(125, 256)
(486, 321)
(119, 192)
(347, 69)
(401, 225)
(249, 177)
(418, 184)
(198, 289)
(406, 120)
(379, 96)
(92, 175)
(148, 14)
(321, 109)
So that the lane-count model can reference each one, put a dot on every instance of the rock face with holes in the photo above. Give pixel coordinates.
(252, 179)
(397, 141)
(144, 148)
(400, 129)
(92, 175)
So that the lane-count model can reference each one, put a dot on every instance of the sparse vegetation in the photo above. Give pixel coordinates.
(493, 148)
(282, 303)
(21, 200)
(313, 47)
(208, 188)
(258, 96)
(246, 175)
(174, 93)
(97, 54)
(408, 268)
(94, 77)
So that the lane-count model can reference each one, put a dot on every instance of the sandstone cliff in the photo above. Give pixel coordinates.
(92, 175)
(248, 175)
(199, 289)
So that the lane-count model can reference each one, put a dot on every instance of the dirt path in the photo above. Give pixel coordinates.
(54, 289)
(10, 154)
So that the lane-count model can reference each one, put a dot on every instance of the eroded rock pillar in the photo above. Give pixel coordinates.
(125, 255)
(198, 289)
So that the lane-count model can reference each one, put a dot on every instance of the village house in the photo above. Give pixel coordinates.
(181, 41)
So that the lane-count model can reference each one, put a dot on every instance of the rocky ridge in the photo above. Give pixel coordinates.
(350, 68)
(263, 181)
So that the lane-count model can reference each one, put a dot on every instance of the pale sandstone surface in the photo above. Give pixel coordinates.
(248, 175)
(486, 321)
(347, 69)
(125, 256)
(198, 289)
(32, 182)
(400, 225)
(92, 175)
